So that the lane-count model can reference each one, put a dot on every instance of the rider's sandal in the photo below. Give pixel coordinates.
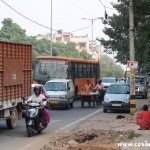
(41, 125)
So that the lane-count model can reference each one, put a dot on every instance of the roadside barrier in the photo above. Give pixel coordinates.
(132, 106)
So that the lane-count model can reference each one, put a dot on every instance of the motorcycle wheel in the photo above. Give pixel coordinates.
(29, 131)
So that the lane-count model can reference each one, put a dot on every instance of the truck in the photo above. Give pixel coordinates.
(15, 80)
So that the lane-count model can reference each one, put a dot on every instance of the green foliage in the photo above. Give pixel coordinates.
(12, 32)
(117, 29)
(109, 68)
(132, 134)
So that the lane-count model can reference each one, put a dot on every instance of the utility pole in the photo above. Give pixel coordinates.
(131, 30)
(132, 58)
(92, 21)
(51, 51)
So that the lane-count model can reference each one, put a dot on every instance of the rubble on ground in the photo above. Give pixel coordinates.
(93, 135)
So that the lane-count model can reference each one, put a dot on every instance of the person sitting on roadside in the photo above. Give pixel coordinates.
(87, 87)
(143, 118)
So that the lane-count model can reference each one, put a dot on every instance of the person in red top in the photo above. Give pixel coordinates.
(143, 118)
(87, 87)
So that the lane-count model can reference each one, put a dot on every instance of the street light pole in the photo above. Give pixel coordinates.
(51, 52)
(92, 20)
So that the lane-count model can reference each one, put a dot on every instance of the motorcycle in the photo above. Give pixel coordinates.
(32, 118)
(100, 97)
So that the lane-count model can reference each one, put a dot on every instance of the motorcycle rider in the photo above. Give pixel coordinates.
(100, 86)
(38, 98)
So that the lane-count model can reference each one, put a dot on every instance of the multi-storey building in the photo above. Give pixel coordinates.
(82, 42)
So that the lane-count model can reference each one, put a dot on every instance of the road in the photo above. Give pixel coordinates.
(61, 120)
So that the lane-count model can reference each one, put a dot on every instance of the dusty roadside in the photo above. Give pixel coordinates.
(104, 132)
(101, 132)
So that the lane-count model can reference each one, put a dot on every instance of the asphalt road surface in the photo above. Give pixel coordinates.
(61, 120)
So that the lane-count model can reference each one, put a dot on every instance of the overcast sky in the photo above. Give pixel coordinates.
(66, 14)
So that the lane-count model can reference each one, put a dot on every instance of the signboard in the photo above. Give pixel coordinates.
(133, 64)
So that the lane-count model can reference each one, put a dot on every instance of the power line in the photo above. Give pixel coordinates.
(82, 28)
(102, 4)
(26, 17)
(80, 8)
(37, 22)
(106, 6)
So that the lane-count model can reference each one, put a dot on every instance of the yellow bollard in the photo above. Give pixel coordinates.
(132, 106)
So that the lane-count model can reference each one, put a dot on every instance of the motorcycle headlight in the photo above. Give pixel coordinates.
(106, 100)
(63, 96)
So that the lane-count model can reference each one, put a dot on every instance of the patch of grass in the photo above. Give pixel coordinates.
(132, 135)
(132, 114)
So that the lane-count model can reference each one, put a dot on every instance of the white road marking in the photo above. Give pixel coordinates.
(54, 121)
(79, 120)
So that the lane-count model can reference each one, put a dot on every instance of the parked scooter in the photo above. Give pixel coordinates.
(32, 118)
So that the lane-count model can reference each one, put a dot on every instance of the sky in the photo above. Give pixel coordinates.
(66, 15)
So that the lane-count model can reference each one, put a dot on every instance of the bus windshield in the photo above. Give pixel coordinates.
(46, 69)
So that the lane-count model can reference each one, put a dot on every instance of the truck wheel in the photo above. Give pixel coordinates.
(29, 131)
(12, 121)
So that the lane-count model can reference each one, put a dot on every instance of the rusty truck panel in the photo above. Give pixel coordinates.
(15, 71)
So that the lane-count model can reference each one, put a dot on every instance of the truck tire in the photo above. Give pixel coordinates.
(12, 121)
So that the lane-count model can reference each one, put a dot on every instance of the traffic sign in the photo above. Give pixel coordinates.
(133, 64)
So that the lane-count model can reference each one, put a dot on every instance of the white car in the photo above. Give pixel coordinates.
(108, 80)
(60, 92)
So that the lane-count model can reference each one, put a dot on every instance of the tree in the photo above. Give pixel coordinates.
(108, 68)
(117, 29)
(12, 31)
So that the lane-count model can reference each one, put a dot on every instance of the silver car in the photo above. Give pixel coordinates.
(141, 85)
(108, 80)
(117, 97)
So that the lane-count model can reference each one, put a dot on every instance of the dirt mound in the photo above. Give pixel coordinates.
(94, 139)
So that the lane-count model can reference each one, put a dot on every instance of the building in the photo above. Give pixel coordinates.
(82, 42)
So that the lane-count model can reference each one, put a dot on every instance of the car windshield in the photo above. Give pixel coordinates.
(139, 80)
(118, 89)
(56, 86)
(111, 80)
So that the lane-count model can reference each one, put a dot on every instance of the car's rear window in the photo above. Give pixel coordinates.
(109, 80)
(118, 89)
